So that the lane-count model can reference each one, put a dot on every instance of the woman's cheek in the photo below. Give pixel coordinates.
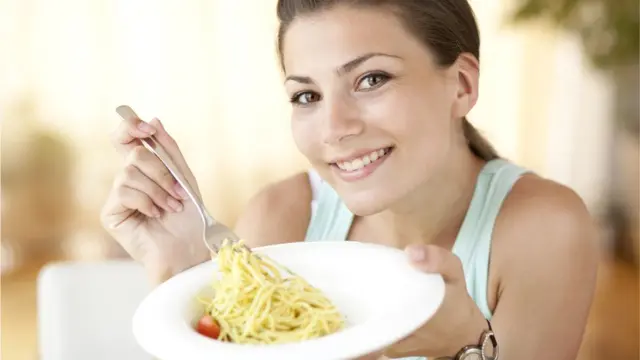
(306, 140)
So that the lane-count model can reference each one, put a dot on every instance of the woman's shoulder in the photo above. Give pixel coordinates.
(535, 200)
(279, 213)
(543, 222)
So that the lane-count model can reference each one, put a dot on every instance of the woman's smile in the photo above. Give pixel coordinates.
(360, 165)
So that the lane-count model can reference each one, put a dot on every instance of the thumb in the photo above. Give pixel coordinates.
(435, 259)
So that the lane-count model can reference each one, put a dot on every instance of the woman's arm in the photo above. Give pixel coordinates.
(280, 213)
(546, 254)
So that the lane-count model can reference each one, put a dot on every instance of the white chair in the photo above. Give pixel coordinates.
(85, 310)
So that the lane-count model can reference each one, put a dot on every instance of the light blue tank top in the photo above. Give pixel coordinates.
(332, 220)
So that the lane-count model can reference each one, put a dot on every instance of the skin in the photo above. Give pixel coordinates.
(416, 107)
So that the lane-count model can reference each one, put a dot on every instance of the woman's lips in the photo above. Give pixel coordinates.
(363, 166)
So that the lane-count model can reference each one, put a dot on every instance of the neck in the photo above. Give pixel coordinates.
(434, 212)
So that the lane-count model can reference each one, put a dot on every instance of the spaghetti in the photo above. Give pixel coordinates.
(256, 303)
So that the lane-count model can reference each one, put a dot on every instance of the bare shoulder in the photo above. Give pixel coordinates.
(279, 213)
(544, 267)
(544, 222)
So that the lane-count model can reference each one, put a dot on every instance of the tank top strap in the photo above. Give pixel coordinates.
(330, 217)
(473, 243)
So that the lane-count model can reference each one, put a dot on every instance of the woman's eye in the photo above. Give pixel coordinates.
(305, 98)
(372, 81)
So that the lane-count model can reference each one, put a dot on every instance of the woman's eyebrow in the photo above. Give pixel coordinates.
(352, 64)
(343, 69)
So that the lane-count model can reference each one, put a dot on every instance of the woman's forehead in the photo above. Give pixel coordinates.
(334, 37)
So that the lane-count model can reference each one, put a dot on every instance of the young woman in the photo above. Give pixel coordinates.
(380, 91)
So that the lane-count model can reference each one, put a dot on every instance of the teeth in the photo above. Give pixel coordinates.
(348, 166)
(359, 163)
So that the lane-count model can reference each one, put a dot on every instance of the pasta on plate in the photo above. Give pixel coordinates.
(255, 302)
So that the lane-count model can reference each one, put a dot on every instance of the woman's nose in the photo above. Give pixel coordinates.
(341, 121)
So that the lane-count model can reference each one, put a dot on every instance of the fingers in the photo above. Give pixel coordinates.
(123, 203)
(144, 185)
(435, 259)
(136, 179)
(130, 129)
(127, 137)
(151, 167)
(135, 199)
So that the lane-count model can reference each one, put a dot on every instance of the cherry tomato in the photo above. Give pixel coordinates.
(208, 326)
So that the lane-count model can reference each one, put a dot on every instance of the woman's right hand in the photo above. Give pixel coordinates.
(147, 211)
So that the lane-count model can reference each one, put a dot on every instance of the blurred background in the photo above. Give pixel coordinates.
(559, 94)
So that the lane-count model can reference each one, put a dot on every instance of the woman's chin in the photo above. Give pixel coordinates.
(365, 204)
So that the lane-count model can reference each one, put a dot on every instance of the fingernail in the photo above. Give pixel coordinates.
(416, 253)
(155, 212)
(158, 121)
(146, 127)
(174, 204)
(180, 191)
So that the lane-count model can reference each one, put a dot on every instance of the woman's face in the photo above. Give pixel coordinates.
(371, 110)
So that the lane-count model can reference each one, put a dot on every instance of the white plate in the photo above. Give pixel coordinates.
(383, 298)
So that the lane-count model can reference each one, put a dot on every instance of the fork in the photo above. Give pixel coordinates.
(214, 232)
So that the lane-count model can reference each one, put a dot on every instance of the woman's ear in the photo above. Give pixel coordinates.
(468, 69)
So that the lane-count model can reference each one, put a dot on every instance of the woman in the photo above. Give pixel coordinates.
(380, 91)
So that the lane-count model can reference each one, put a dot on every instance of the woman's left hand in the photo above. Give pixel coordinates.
(457, 323)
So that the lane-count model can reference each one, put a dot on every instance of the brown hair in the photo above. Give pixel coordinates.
(447, 27)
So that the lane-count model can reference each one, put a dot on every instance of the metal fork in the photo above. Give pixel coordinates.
(214, 233)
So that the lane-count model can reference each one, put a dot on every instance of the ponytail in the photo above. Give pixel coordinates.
(478, 145)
